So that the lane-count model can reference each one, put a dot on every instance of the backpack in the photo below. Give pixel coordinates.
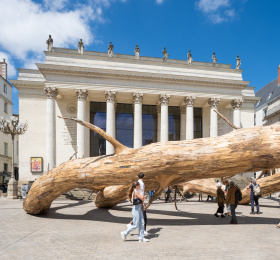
(257, 190)
(238, 195)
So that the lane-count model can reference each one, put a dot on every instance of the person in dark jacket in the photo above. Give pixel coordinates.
(220, 200)
(230, 199)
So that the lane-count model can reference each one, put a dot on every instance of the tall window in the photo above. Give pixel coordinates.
(5, 88)
(5, 167)
(265, 113)
(98, 118)
(6, 107)
(197, 122)
(124, 124)
(149, 124)
(173, 123)
(6, 149)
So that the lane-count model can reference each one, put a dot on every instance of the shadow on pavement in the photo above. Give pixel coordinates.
(182, 218)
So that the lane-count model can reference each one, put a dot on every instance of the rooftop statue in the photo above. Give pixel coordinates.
(81, 47)
(49, 43)
(190, 60)
(238, 62)
(137, 52)
(165, 54)
(214, 59)
(110, 50)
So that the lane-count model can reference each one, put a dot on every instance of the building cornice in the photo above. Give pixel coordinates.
(125, 58)
(90, 72)
(28, 84)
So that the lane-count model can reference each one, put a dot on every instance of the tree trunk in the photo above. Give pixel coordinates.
(166, 163)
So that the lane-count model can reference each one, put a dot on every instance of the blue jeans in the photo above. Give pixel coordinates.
(138, 221)
(151, 193)
(254, 200)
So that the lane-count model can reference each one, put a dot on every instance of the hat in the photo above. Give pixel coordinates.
(219, 184)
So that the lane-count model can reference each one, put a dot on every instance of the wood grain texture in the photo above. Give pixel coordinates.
(163, 163)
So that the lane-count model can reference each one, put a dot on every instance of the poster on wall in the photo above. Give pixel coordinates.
(36, 164)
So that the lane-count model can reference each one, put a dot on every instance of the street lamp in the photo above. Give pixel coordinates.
(12, 127)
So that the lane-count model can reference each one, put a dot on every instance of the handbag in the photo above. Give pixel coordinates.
(137, 201)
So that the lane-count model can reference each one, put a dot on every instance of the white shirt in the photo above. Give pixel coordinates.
(142, 187)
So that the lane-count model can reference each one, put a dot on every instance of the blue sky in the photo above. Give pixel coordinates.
(248, 28)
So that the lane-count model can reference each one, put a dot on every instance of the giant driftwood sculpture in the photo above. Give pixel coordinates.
(268, 185)
(166, 163)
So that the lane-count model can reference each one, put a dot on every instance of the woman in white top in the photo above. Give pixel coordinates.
(138, 220)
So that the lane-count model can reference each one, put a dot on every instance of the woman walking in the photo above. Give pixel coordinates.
(138, 219)
(220, 200)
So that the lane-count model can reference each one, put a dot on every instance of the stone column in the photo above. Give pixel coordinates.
(164, 100)
(236, 105)
(158, 122)
(81, 114)
(183, 123)
(137, 129)
(213, 103)
(51, 94)
(110, 119)
(189, 101)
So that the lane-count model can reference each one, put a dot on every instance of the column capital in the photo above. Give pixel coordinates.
(51, 92)
(236, 103)
(110, 96)
(137, 98)
(214, 102)
(189, 101)
(164, 99)
(81, 94)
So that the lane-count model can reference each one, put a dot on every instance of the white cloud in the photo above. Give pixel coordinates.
(159, 1)
(217, 11)
(209, 6)
(10, 65)
(26, 25)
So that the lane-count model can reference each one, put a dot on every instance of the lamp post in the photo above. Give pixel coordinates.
(12, 127)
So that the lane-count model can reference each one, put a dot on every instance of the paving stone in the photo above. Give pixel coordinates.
(77, 229)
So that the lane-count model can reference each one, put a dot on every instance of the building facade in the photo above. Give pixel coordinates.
(267, 109)
(138, 100)
(6, 111)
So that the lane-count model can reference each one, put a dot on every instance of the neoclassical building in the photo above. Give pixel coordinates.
(138, 100)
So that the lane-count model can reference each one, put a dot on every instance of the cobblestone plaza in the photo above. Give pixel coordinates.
(76, 229)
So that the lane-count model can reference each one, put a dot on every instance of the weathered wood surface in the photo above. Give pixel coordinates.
(268, 185)
(166, 163)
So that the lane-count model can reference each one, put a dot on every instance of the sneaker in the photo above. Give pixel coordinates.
(222, 216)
(252, 212)
(128, 225)
(146, 233)
(123, 236)
(216, 215)
(144, 240)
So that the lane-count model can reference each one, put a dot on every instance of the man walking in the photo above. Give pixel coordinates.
(230, 199)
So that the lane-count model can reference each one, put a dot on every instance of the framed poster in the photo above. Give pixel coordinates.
(36, 164)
